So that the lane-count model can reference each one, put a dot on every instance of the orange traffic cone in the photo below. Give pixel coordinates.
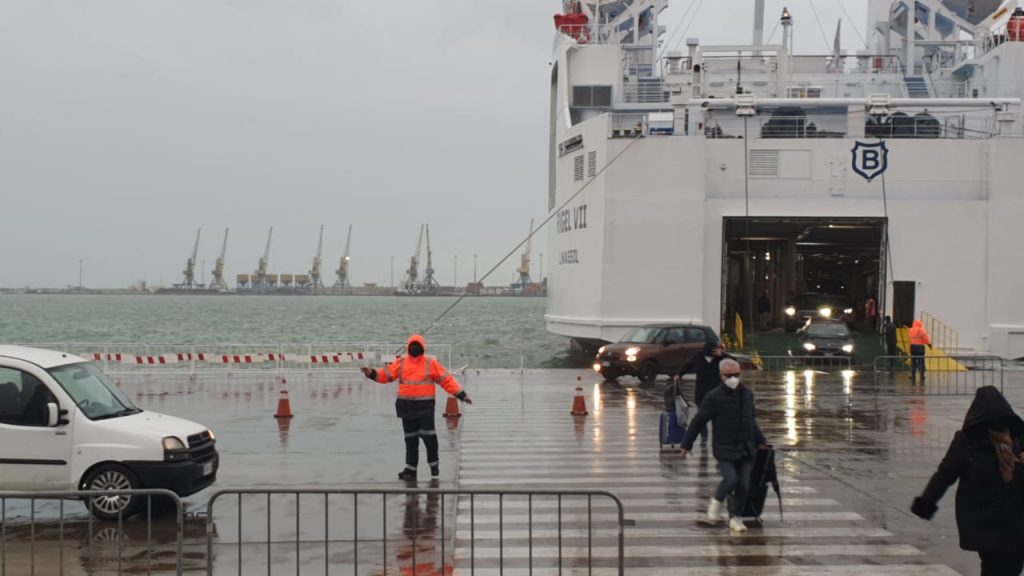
(579, 403)
(284, 406)
(451, 410)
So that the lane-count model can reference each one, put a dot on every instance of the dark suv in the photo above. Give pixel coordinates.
(648, 351)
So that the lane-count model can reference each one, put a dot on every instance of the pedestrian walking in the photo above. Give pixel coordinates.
(986, 457)
(764, 309)
(417, 375)
(737, 437)
(706, 367)
(919, 338)
(871, 314)
(892, 348)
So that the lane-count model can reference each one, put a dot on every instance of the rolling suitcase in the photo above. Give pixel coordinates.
(761, 477)
(670, 431)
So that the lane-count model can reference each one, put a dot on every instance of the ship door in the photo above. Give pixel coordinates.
(903, 302)
(775, 269)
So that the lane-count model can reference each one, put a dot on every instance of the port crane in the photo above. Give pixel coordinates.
(524, 264)
(190, 266)
(343, 285)
(315, 281)
(259, 277)
(218, 282)
(430, 284)
(411, 284)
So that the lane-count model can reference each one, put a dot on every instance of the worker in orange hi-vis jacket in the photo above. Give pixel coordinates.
(417, 375)
(919, 338)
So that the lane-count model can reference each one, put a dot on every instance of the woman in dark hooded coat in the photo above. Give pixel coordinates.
(986, 457)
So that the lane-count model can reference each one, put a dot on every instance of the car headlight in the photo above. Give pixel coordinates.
(212, 435)
(597, 367)
(174, 449)
(601, 350)
(810, 347)
(790, 311)
(847, 310)
(632, 351)
(825, 312)
(847, 348)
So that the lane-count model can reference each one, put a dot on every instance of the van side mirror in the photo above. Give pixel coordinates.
(55, 416)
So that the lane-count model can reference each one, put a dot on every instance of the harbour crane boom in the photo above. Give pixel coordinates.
(430, 283)
(314, 274)
(218, 282)
(412, 274)
(343, 282)
(524, 264)
(260, 276)
(190, 266)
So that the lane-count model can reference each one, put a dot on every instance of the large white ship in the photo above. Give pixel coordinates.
(687, 184)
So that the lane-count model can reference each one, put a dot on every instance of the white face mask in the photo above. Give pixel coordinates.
(732, 382)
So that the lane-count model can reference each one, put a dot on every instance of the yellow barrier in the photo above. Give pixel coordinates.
(739, 332)
(935, 357)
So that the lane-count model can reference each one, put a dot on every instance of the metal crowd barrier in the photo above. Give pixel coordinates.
(127, 358)
(425, 545)
(817, 363)
(27, 539)
(957, 374)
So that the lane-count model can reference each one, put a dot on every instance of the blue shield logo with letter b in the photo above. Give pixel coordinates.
(870, 160)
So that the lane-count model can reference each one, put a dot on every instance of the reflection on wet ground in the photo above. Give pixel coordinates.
(851, 460)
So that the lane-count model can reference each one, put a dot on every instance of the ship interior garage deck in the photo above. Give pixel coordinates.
(777, 269)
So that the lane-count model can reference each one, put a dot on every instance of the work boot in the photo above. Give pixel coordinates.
(714, 510)
(435, 471)
(736, 524)
(407, 474)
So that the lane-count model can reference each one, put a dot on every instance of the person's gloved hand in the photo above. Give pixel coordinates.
(464, 397)
(369, 373)
(922, 509)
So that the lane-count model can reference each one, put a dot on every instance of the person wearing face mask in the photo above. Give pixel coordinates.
(730, 409)
(987, 457)
(417, 375)
(706, 367)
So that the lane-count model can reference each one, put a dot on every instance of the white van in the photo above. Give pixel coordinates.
(64, 426)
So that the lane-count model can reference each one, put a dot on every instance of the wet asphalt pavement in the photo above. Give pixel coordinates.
(853, 451)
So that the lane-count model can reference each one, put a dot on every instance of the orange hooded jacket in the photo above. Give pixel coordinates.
(918, 335)
(417, 375)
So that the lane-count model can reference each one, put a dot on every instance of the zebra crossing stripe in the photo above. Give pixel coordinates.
(710, 551)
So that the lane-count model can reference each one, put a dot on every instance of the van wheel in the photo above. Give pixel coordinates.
(114, 478)
(648, 372)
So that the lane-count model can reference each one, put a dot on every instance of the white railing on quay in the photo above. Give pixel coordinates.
(122, 358)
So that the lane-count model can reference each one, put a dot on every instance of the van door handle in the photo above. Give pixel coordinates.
(62, 433)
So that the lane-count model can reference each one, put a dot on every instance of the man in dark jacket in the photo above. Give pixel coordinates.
(705, 366)
(730, 408)
(986, 456)
(891, 346)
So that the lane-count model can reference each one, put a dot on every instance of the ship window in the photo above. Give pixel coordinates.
(578, 168)
(591, 96)
(592, 165)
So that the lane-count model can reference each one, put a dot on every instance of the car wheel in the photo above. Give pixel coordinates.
(114, 478)
(610, 375)
(648, 372)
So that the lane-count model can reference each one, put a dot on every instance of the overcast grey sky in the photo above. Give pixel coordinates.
(127, 124)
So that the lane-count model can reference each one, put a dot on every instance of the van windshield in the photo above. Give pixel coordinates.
(92, 391)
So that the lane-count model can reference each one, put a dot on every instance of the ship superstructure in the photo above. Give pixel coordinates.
(699, 184)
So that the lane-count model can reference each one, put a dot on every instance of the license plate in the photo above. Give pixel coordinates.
(606, 363)
(207, 468)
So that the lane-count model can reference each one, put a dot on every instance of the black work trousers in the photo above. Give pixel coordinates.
(1000, 563)
(416, 428)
